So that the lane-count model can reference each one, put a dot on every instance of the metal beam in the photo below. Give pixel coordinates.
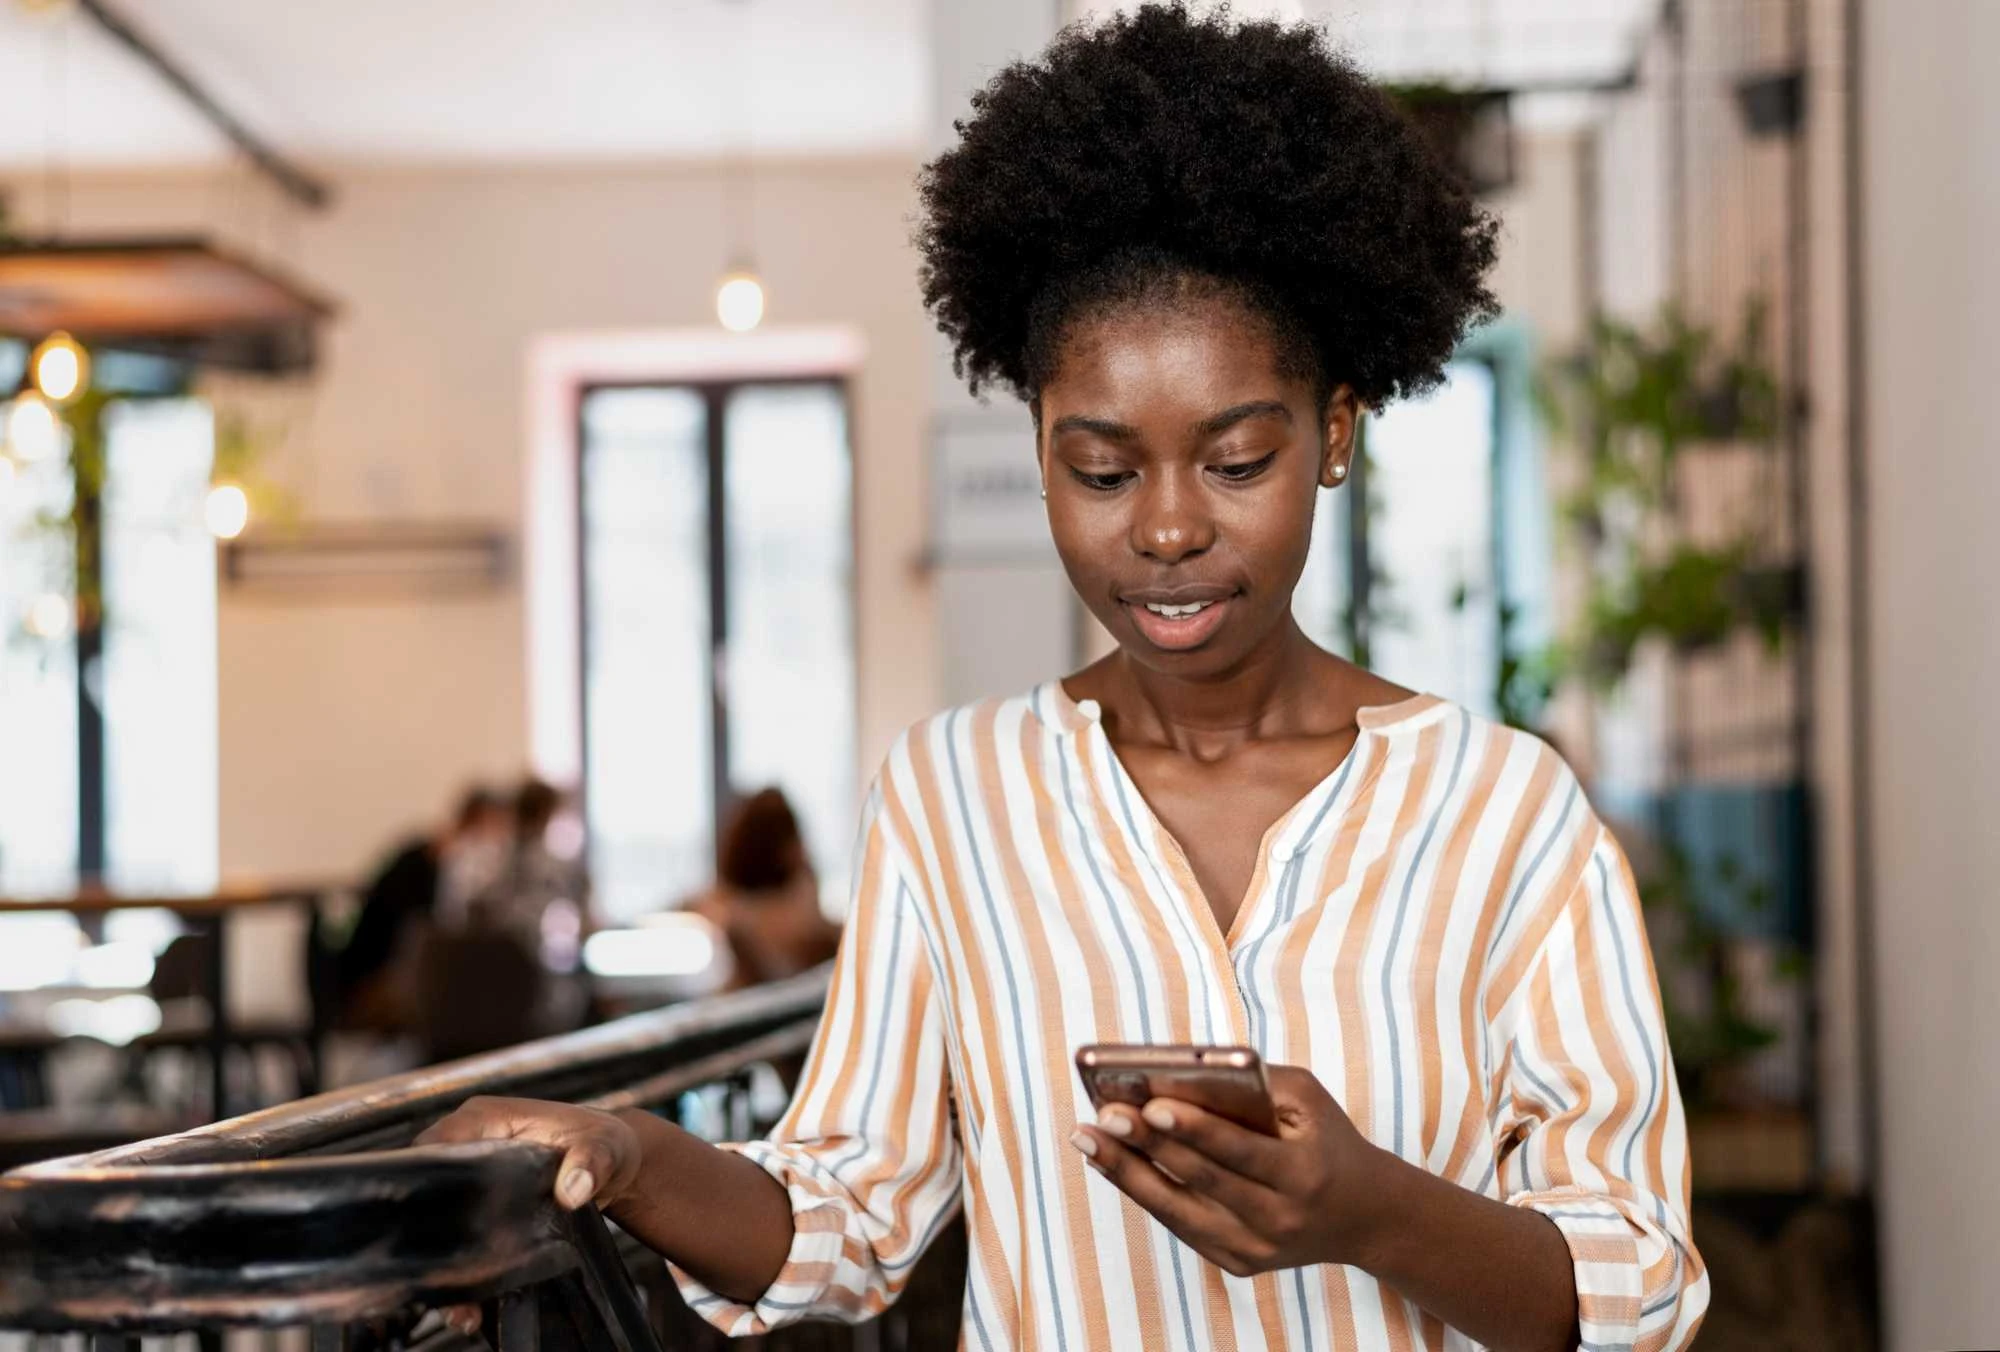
(295, 182)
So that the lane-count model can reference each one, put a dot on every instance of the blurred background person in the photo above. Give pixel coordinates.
(372, 969)
(765, 901)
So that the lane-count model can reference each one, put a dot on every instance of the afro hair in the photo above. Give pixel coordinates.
(1167, 149)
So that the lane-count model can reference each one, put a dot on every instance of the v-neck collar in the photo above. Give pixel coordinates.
(1284, 838)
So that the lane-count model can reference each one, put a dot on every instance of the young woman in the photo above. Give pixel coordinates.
(1199, 251)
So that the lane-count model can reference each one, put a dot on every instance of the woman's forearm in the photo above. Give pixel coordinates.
(1500, 1274)
(716, 1214)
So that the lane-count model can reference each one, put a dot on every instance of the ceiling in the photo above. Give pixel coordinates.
(439, 80)
(488, 80)
(1491, 43)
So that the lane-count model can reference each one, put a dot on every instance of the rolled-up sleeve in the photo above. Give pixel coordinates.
(867, 1151)
(1595, 1137)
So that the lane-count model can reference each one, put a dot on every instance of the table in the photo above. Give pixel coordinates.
(208, 912)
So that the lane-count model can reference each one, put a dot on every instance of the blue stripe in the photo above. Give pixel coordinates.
(1288, 890)
(1543, 1087)
(1514, 900)
(891, 988)
(1004, 950)
(1672, 1295)
(951, 1042)
(1396, 934)
(1632, 1007)
(1144, 996)
(978, 1321)
(1139, 980)
(1177, 907)
(1305, 1315)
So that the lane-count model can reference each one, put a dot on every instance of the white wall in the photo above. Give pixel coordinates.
(345, 723)
(1930, 315)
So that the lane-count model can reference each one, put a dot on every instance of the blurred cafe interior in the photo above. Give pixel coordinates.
(479, 493)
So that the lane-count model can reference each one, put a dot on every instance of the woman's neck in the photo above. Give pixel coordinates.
(1281, 689)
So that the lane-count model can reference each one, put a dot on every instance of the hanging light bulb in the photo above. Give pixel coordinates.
(227, 510)
(739, 300)
(61, 368)
(48, 616)
(34, 432)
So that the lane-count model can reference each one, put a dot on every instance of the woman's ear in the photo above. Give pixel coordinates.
(1342, 423)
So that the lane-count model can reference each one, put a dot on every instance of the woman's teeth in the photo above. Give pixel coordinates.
(1177, 612)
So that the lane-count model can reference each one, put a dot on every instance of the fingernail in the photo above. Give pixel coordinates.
(1158, 1116)
(1081, 1140)
(577, 1187)
(1115, 1123)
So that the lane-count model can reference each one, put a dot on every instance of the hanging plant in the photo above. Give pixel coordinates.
(1635, 400)
(68, 533)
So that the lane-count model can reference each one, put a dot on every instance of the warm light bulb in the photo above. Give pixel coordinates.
(34, 432)
(227, 510)
(739, 301)
(48, 616)
(61, 367)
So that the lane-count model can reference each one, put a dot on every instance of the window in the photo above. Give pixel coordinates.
(110, 764)
(1423, 508)
(718, 636)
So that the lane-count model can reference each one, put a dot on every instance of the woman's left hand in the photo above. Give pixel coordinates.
(1248, 1202)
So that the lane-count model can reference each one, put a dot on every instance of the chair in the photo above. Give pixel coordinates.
(476, 992)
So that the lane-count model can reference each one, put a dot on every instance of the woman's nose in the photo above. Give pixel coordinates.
(1170, 520)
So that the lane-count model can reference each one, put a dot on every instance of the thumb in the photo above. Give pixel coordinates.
(586, 1171)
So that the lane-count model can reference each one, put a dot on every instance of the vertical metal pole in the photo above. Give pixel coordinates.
(520, 1322)
(90, 823)
(716, 402)
(218, 1015)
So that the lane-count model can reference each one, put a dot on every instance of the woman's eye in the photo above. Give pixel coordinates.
(1249, 469)
(1103, 483)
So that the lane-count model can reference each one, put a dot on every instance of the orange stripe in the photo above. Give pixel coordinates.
(1175, 992)
(1471, 1030)
(1359, 1100)
(1348, 985)
(1601, 1028)
(1430, 947)
(1656, 1131)
(1289, 971)
(1104, 1007)
(1000, 1115)
(852, 956)
(1527, 945)
(1555, 1058)
(1049, 1016)
(1160, 940)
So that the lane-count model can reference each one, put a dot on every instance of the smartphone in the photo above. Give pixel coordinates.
(1227, 1081)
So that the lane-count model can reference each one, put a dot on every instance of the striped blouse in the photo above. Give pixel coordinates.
(1441, 930)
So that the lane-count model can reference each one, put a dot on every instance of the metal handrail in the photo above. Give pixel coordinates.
(565, 1067)
(321, 1212)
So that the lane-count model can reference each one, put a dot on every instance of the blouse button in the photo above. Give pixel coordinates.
(1090, 709)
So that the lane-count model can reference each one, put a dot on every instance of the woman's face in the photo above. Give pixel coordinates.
(1181, 469)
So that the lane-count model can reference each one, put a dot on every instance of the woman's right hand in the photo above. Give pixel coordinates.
(600, 1155)
(600, 1151)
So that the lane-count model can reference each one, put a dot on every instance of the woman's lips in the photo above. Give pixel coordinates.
(1179, 633)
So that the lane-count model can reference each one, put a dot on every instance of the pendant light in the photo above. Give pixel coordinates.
(739, 293)
(60, 368)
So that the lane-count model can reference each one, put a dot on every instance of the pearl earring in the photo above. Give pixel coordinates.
(1340, 471)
